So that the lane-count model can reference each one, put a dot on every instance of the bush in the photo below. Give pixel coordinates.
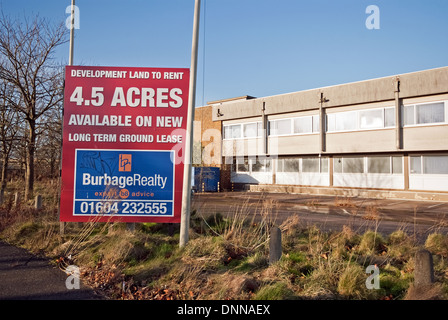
(352, 282)
(437, 243)
(371, 243)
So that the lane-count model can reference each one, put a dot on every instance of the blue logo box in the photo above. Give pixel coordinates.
(124, 182)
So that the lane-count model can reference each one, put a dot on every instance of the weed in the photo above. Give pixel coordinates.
(275, 291)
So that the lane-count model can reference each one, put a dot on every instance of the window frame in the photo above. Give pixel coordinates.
(242, 125)
(358, 120)
(415, 114)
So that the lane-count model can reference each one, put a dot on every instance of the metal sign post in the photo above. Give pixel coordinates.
(186, 194)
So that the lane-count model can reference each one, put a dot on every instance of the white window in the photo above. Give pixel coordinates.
(416, 164)
(409, 115)
(424, 113)
(279, 127)
(348, 165)
(397, 164)
(371, 119)
(316, 123)
(232, 131)
(242, 165)
(435, 164)
(430, 113)
(291, 165)
(261, 165)
(315, 165)
(342, 121)
(389, 117)
(250, 130)
(303, 125)
(310, 165)
(323, 165)
(353, 165)
(378, 165)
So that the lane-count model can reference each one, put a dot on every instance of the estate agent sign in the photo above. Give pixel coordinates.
(123, 142)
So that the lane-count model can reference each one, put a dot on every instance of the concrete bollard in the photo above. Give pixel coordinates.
(275, 245)
(38, 202)
(424, 269)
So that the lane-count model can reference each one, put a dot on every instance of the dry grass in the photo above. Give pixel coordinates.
(227, 256)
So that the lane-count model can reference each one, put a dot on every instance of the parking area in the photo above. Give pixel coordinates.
(328, 212)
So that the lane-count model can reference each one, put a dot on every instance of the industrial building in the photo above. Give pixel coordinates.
(380, 138)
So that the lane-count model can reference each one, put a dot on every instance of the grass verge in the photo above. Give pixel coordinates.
(226, 257)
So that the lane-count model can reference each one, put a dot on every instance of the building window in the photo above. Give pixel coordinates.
(342, 121)
(430, 113)
(371, 119)
(232, 131)
(433, 164)
(315, 165)
(353, 165)
(303, 125)
(299, 125)
(316, 123)
(416, 164)
(307, 165)
(242, 165)
(397, 165)
(245, 130)
(378, 165)
(310, 165)
(280, 127)
(424, 113)
(249, 165)
(361, 120)
(261, 165)
(375, 164)
(288, 165)
(389, 117)
(252, 130)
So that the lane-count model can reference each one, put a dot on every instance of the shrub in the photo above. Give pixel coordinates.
(352, 283)
(437, 243)
(371, 243)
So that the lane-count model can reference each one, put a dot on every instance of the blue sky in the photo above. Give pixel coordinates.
(256, 47)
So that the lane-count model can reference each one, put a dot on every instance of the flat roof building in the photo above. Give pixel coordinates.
(385, 137)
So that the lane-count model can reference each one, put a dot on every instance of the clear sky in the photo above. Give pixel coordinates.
(256, 47)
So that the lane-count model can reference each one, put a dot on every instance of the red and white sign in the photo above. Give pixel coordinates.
(123, 143)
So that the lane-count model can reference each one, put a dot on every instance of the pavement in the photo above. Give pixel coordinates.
(24, 276)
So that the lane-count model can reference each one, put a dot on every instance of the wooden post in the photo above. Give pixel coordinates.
(38, 202)
(424, 269)
(275, 245)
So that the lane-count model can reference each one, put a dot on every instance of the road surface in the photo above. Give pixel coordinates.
(329, 213)
(24, 276)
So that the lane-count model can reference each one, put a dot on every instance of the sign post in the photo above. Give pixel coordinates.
(186, 202)
(123, 144)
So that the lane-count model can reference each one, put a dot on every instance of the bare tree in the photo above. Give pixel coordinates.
(9, 128)
(49, 142)
(26, 61)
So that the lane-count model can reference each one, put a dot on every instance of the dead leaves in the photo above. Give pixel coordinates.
(111, 282)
